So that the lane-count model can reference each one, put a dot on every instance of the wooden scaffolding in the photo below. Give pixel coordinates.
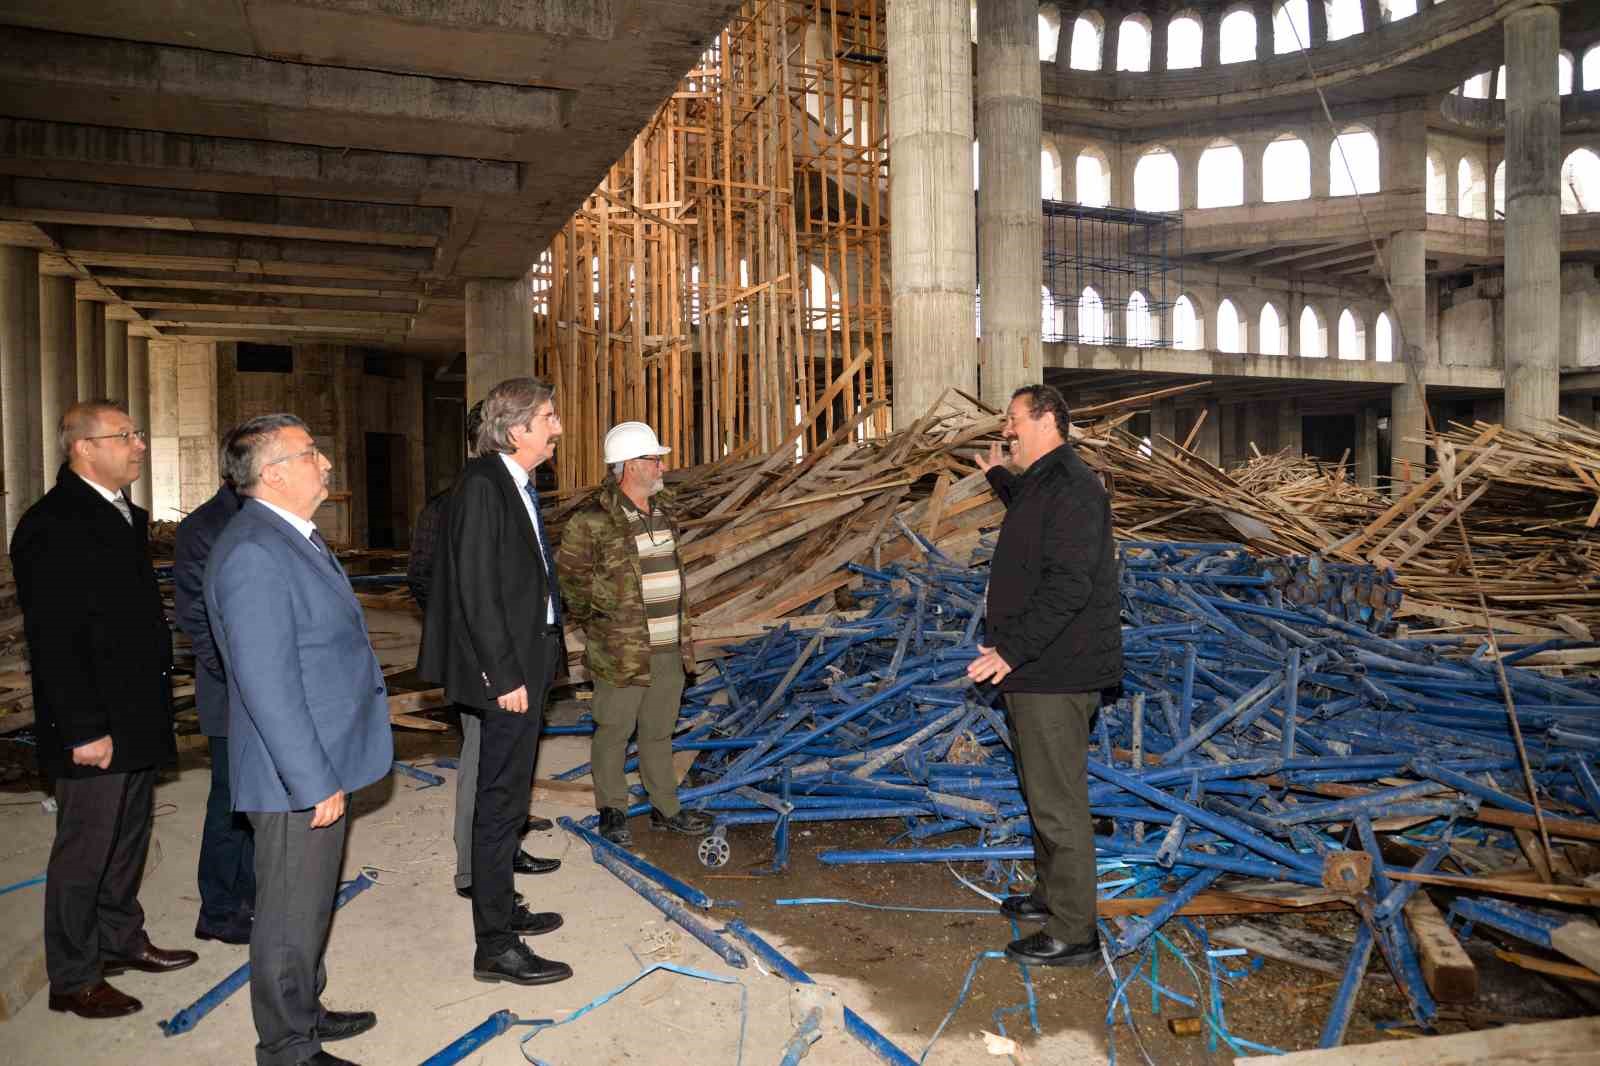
(727, 282)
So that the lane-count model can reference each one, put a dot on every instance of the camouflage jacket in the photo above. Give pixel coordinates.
(601, 588)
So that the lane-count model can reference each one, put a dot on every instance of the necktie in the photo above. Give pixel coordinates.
(121, 503)
(327, 552)
(544, 553)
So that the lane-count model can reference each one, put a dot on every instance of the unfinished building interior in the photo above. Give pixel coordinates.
(1319, 275)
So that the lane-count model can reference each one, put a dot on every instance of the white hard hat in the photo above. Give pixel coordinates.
(632, 440)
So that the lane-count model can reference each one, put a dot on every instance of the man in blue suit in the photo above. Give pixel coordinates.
(226, 871)
(308, 723)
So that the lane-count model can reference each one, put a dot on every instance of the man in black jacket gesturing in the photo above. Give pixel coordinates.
(1055, 642)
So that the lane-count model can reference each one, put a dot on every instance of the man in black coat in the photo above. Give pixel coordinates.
(100, 651)
(492, 638)
(1055, 644)
(227, 849)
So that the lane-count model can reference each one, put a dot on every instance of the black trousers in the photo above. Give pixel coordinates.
(227, 872)
(297, 876)
(91, 892)
(1050, 732)
(508, 747)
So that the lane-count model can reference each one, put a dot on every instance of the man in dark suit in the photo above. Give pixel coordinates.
(100, 651)
(227, 850)
(308, 723)
(492, 638)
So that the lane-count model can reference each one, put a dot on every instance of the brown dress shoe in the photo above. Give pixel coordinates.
(98, 1000)
(148, 959)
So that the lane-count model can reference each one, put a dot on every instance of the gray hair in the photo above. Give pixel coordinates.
(245, 452)
(616, 469)
(79, 422)
(510, 404)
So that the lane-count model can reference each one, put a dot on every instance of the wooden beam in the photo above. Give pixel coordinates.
(1446, 967)
(1544, 1044)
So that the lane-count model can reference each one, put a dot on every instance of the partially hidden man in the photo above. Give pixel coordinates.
(622, 583)
(1055, 646)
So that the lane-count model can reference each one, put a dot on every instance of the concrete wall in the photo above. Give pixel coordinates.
(1472, 320)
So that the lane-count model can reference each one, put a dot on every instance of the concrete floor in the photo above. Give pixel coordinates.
(404, 950)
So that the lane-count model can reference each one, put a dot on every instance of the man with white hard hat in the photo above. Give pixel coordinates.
(622, 584)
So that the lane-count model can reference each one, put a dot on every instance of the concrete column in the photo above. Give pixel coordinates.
(1211, 37)
(139, 410)
(19, 380)
(58, 366)
(1318, 13)
(1010, 227)
(1371, 17)
(1533, 218)
(91, 338)
(197, 423)
(1069, 21)
(1188, 176)
(1367, 446)
(1163, 425)
(115, 382)
(1319, 144)
(932, 246)
(1110, 43)
(1291, 432)
(1293, 303)
(1208, 442)
(499, 333)
(1158, 43)
(1253, 148)
(163, 460)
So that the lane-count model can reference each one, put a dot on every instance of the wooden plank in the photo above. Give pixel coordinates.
(1446, 967)
(411, 702)
(1304, 948)
(1578, 940)
(1208, 903)
(1565, 1043)
(1548, 966)
(1588, 897)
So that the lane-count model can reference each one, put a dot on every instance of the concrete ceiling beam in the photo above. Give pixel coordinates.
(306, 336)
(297, 321)
(1363, 250)
(189, 90)
(82, 241)
(187, 300)
(204, 211)
(198, 280)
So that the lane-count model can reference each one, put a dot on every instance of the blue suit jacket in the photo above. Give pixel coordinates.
(196, 535)
(308, 713)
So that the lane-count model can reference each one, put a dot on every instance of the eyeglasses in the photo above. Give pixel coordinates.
(127, 436)
(552, 416)
(313, 451)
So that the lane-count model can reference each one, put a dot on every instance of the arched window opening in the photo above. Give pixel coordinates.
(1139, 329)
(1091, 317)
(975, 154)
(1353, 163)
(1088, 34)
(1049, 32)
(1313, 334)
(1155, 181)
(1184, 37)
(1438, 186)
(1238, 34)
(1291, 27)
(1476, 87)
(1274, 336)
(1352, 336)
(1188, 328)
(1383, 338)
(1591, 68)
(1564, 73)
(1469, 188)
(1230, 331)
(1049, 172)
(1500, 83)
(1052, 316)
(1133, 44)
(1500, 190)
(1093, 174)
(1580, 183)
(822, 300)
(1395, 10)
(1286, 170)
(1221, 175)
(1344, 19)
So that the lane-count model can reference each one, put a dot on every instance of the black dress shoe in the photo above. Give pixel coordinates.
(236, 931)
(98, 1000)
(520, 966)
(535, 824)
(1042, 949)
(466, 893)
(614, 826)
(532, 864)
(343, 1024)
(148, 959)
(323, 1058)
(533, 923)
(691, 822)
(1024, 908)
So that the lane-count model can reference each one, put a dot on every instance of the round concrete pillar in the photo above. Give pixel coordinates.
(932, 243)
(58, 365)
(116, 355)
(139, 411)
(19, 379)
(499, 333)
(91, 339)
(1408, 401)
(1533, 218)
(1010, 225)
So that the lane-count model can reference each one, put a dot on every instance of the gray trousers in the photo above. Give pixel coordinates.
(1050, 733)
(651, 709)
(297, 876)
(467, 794)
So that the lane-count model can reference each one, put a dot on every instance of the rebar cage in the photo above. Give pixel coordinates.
(1111, 275)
